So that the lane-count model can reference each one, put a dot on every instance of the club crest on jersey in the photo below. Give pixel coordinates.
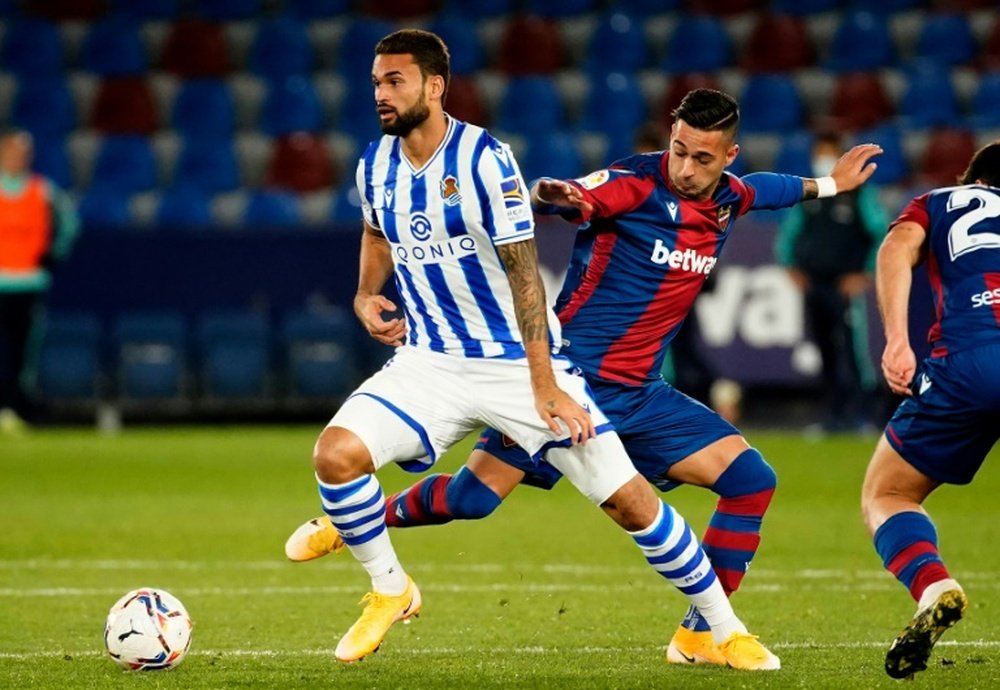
(450, 191)
(594, 179)
(724, 213)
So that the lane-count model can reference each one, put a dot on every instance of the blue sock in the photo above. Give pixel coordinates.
(907, 543)
(441, 498)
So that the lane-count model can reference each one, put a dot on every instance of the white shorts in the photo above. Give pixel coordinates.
(421, 403)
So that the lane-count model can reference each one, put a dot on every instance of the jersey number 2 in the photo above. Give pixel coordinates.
(960, 241)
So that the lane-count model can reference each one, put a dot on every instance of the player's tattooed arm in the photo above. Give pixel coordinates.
(810, 190)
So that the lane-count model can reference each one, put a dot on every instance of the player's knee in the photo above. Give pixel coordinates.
(749, 473)
(340, 457)
(469, 498)
(634, 506)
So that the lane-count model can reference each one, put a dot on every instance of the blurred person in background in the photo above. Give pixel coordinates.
(38, 224)
(828, 246)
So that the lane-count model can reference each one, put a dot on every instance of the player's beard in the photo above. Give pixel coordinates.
(407, 121)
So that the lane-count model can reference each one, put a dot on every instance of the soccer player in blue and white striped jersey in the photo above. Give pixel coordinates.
(446, 214)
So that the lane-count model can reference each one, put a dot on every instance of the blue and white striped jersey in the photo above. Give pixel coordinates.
(443, 223)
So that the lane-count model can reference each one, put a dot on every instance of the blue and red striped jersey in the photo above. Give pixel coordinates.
(963, 263)
(642, 256)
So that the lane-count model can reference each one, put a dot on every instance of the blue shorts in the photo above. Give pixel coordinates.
(658, 424)
(953, 419)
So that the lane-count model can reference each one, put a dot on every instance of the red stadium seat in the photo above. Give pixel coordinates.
(400, 9)
(300, 162)
(65, 10)
(859, 101)
(124, 105)
(989, 54)
(679, 86)
(946, 157)
(778, 43)
(464, 101)
(531, 45)
(196, 48)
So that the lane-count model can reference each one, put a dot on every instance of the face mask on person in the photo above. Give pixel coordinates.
(823, 165)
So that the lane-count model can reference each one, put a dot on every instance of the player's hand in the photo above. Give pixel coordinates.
(855, 167)
(899, 365)
(562, 194)
(554, 403)
(369, 310)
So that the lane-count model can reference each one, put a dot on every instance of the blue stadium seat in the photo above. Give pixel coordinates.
(184, 206)
(318, 9)
(552, 154)
(357, 48)
(113, 47)
(558, 9)
(272, 208)
(699, 43)
(126, 163)
(795, 155)
(319, 350)
(291, 105)
(208, 164)
(770, 103)
(69, 362)
(893, 165)
(628, 105)
(51, 160)
(530, 106)
(204, 108)
(346, 206)
(147, 10)
(280, 49)
(104, 207)
(44, 107)
(357, 117)
(32, 48)
(986, 103)
(861, 43)
(235, 354)
(482, 9)
(228, 10)
(459, 34)
(151, 353)
(929, 98)
(618, 44)
(946, 39)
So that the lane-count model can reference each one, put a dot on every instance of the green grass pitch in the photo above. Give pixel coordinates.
(546, 593)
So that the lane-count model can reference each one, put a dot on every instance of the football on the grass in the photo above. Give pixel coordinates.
(148, 629)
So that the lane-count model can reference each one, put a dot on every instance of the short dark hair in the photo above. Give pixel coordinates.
(709, 110)
(985, 166)
(428, 51)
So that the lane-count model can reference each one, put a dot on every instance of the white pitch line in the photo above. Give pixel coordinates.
(527, 650)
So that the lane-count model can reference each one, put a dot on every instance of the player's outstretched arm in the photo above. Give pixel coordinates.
(900, 251)
(521, 261)
(549, 196)
(369, 303)
(851, 171)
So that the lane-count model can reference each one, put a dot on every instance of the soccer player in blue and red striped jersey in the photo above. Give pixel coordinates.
(950, 418)
(652, 227)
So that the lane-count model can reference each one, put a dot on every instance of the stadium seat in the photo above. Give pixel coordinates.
(629, 105)
(184, 206)
(699, 43)
(204, 108)
(272, 208)
(929, 99)
(859, 101)
(678, 88)
(228, 10)
(124, 105)
(346, 207)
(44, 107)
(125, 163)
(946, 39)
(893, 166)
(795, 155)
(770, 103)
(464, 102)
(399, 9)
(861, 43)
(235, 353)
(280, 49)
(986, 103)
(291, 105)
(104, 207)
(530, 45)
(482, 9)
(319, 350)
(208, 164)
(724, 7)
(553, 154)
(887, 6)
(69, 361)
(459, 34)
(318, 9)
(64, 10)
(151, 354)
(147, 10)
(50, 159)
(113, 47)
(946, 157)
(196, 48)
(646, 8)
(300, 162)
(777, 43)
(559, 9)
(357, 46)
(32, 48)
(545, 112)
(618, 44)
(804, 7)
(989, 54)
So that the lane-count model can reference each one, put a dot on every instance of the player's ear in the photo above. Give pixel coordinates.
(436, 87)
(731, 154)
